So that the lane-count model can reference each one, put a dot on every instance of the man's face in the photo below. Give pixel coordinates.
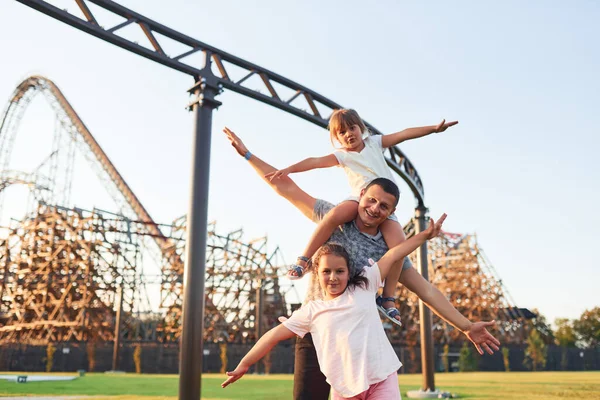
(375, 206)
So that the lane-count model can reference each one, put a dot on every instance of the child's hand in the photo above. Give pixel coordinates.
(234, 375)
(435, 228)
(277, 174)
(442, 126)
(236, 142)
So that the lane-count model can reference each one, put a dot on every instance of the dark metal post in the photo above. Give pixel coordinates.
(117, 342)
(190, 367)
(259, 316)
(424, 312)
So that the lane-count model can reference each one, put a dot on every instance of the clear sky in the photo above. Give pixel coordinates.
(520, 170)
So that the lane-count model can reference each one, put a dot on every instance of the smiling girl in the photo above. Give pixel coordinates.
(353, 351)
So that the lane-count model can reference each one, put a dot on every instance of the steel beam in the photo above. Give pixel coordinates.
(396, 159)
(424, 312)
(190, 367)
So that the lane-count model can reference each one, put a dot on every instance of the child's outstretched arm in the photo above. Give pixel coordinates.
(402, 250)
(258, 351)
(305, 165)
(412, 133)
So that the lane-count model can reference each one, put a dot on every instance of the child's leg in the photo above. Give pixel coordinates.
(388, 389)
(393, 234)
(340, 214)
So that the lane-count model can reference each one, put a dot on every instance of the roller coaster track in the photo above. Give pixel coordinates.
(21, 97)
(220, 69)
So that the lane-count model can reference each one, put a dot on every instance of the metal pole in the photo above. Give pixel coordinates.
(424, 312)
(190, 368)
(117, 342)
(259, 316)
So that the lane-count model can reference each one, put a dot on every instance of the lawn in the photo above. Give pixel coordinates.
(475, 385)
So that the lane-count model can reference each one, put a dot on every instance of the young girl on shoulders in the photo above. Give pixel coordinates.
(361, 156)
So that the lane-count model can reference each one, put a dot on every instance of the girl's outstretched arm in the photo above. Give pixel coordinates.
(402, 250)
(412, 133)
(305, 165)
(258, 351)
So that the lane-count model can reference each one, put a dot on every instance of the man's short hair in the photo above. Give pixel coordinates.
(388, 186)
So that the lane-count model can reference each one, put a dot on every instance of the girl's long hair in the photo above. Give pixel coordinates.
(355, 280)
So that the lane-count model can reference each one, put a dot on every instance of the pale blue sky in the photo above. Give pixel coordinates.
(520, 169)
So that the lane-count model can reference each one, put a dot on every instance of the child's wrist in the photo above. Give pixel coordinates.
(243, 365)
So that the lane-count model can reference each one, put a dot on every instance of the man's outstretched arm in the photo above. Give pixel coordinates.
(476, 331)
(283, 186)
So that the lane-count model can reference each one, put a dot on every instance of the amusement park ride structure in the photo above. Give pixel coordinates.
(61, 268)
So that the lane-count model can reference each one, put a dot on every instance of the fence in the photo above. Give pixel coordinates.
(164, 358)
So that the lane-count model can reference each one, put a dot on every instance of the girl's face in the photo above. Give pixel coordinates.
(351, 139)
(333, 275)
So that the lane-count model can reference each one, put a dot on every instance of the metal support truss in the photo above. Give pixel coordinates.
(228, 71)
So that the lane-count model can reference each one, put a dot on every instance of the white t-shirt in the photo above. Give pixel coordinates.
(362, 167)
(351, 345)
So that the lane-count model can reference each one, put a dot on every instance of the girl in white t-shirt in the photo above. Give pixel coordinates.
(362, 159)
(352, 348)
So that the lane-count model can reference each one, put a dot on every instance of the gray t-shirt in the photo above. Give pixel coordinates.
(360, 246)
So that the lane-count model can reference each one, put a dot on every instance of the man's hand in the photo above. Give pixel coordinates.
(235, 375)
(442, 126)
(236, 142)
(281, 173)
(435, 228)
(481, 338)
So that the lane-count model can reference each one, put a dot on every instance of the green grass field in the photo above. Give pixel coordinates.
(475, 385)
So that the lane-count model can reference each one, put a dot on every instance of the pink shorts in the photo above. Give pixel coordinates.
(388, 389)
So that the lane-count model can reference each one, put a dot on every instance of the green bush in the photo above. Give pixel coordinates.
(506, 359)
(467, 360)
(535, 353)
(445, 358)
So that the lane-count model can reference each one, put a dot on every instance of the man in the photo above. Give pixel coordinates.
(363, 238)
